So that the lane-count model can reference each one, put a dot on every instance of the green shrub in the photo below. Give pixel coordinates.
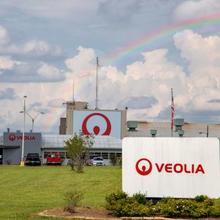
(201, 198)
(178, 208)
(138, 205)
(140, 198)
(73, 200)
(113, 197)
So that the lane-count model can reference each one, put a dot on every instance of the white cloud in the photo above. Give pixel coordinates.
(6, 63)
(140, 84)
(53, 8)
(32, 48)
(199, 8)
(40, 48)
(50, 73)
(4, 38)
(56, 103)
(198, 50)
(83, 63)
(203, 82)
(152, 77)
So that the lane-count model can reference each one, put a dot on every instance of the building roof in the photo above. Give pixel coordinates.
(104, 142)
(163, 129)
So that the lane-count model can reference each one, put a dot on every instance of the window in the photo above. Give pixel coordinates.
(104, 155)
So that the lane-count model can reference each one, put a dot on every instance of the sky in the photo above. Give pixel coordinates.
(145, 48)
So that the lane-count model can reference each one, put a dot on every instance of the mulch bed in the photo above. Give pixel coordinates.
(88, 213)
(80, 213)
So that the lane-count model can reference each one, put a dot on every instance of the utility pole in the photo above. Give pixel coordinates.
(22, 145)
(97, 79)
(207, 131)
(33, 119)
(172, 109)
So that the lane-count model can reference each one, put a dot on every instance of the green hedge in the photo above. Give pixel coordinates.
(120, 204)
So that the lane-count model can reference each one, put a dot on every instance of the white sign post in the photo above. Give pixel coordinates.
(171, 167)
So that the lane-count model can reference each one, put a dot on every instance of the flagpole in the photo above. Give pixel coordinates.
(97, 85)
(172, 108)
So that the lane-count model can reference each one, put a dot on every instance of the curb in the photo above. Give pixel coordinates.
(45, 214)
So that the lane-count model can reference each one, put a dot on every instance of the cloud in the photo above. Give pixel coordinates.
(32, 72)
(56, 103)
(83, 63)
(144, 86)
(154, 76)
(42, 8)
(40, 48)
(6, 63)
(120, 11)
(141, 102)
(4, 38)
(199, 8)
(50, 73)
(30, 49)
(203, 82)
(7, 94)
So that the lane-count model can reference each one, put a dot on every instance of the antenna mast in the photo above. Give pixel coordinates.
(97, 88)
(73, 91)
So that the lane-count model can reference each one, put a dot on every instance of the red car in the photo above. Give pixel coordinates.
(54, 159)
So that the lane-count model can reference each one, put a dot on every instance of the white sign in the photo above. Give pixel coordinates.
(171, 167)
(104, 123)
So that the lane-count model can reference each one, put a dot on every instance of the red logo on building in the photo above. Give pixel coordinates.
(144, 167)
(13, 137)
(96, 129)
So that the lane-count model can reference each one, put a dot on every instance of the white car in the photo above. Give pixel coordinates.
(97, 161)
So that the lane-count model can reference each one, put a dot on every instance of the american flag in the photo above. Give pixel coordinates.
(172, 109)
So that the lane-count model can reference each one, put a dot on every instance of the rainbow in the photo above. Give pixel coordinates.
(168, 30)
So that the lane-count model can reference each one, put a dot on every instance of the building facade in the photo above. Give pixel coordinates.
(78, 112)
(12, 142)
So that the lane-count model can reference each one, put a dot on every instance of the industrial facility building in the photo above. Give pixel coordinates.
(11, 146)
(109, 127)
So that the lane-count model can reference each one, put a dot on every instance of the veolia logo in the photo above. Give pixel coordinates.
(144, 167)
(13, 137)
(96, 129)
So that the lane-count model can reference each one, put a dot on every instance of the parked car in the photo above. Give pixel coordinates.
(97, 161)
(33, 159)
(54, 159)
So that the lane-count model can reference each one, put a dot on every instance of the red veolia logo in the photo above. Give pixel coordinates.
(12, 137)
(144, 166)
(96, 129)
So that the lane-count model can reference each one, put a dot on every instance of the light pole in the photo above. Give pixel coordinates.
(33, 119)
(22, 145)
(207, 131)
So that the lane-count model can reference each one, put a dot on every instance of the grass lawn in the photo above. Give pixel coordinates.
(28, 190)
(25, 191)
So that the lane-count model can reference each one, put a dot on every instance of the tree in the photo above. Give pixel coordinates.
(77, 148)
